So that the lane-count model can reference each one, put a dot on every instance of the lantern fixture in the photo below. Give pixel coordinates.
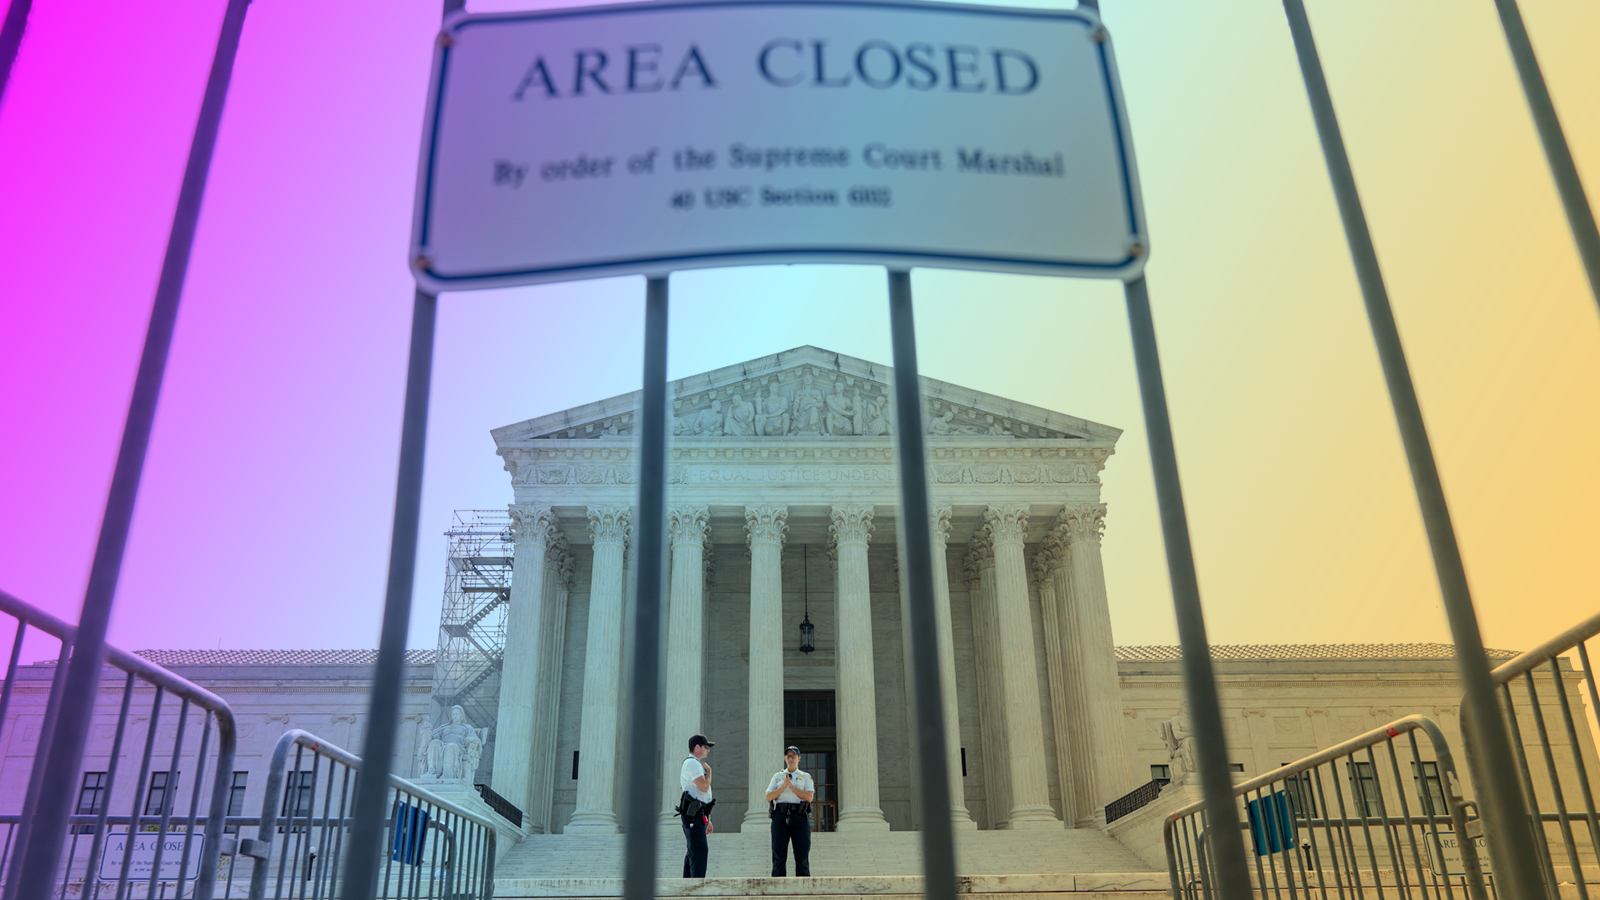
(806, 628)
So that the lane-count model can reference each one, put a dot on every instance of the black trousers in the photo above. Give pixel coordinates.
(790, 824)
(694, 831)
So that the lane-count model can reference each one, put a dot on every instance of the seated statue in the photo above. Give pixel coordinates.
(451, 750)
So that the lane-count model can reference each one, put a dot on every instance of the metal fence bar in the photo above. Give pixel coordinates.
(644, 727)
(1580, 217)
(138, 790)
(1563, 819)
(16, 24)
(1502, 806)
(165, 812)
(41, 761)
(40, 857)
(1577, 754)
(932, 757)
(92, 880)
(1199, 679)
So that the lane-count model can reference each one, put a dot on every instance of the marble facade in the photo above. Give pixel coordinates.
(797, 449)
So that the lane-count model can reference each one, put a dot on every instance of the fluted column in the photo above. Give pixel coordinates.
(1078, 733)
(558, 565)
(856, 696)
(686, 656)
(514, 727)
(960, 819)
(764, 530)
(609, 527)
(1084, 525)
(1030, 786)
(1049, 593)
(991, 686)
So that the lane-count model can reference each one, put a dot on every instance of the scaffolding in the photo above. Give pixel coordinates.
(472, 624)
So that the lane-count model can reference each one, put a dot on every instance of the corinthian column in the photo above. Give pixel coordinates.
(686, 657)
(764, 528)
(1049, 592)
(552, 647)
(960, 819)
(514, 729)
(991, 686)
(1084, 525)
(1030, 786)
(1077, 730)
(856, 696)
(609, 527)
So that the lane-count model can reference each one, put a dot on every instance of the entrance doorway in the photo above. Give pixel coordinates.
(809, 723)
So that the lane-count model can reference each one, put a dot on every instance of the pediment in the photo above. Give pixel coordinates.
(807, 394)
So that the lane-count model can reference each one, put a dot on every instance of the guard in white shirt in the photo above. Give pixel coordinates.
(788, 802)
(694, 807)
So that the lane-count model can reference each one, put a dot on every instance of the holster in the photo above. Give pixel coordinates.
(691, 807)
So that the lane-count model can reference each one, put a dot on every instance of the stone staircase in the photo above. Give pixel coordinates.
(989, 862)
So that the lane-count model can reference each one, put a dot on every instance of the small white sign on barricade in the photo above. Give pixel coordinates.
(141, 846)
(654, 137)
(1449, 845)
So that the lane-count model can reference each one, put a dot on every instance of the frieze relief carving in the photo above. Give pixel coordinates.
(806, 401)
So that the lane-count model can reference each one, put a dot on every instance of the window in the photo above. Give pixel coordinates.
(236, 798)
(1302, 797)
(1161, 774)
(163, 790)
(299, 791)
(91, 799)
(1236, 767)
(1429, 788)
(1364, 789)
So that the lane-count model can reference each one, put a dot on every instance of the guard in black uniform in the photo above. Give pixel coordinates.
(694, 805)
(788, 803)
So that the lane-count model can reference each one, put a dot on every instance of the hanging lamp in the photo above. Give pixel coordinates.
(806, 628)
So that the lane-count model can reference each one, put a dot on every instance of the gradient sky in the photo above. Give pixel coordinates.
(265, 511)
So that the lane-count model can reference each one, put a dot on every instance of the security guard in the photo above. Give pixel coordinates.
(694, 806)
(788, 801)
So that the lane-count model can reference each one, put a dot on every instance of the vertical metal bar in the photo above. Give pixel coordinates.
(41, 763)
(92, 879)
(1261, 879)
(338, 843)
(1390, 839)
(383, 714)
(138, 791)
(1211, 747)
(211, 850)
(11, 670)
(938, 840)
(1335, 839)
(194, 801)
(1556, 152)
(16, 23)
(1304, 789)
(1535, 818)
(1563, 820)
(395, 811)
(83, 676)
(1577, 753)
(167, 795)
(1502, 806)
(1426, 799)
(645, 738)
(1352, 860)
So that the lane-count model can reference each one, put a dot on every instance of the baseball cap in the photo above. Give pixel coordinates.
(699, 739)
(789, 750)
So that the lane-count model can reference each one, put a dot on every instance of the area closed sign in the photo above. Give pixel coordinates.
(646, 138)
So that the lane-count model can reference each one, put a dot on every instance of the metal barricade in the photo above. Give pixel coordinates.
(100, 856)
(1553, 739)
(1374, 817)
(432, 849)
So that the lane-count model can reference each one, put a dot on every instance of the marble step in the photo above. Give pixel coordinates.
(874, 854)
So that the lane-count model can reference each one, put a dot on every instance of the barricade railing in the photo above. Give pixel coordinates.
(186, 800)
(1553, 738)
(432, 848)
(1380, 815)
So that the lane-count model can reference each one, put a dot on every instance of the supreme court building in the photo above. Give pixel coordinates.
(782, 509)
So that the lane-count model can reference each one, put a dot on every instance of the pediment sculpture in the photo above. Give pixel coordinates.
(450, 751)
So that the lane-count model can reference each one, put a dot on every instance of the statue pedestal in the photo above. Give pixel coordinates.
(466, 796)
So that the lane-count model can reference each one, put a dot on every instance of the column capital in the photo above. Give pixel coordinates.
(1007, 524)
(688, 524)
(851, 525)
(531, 523)
(1044, 567)
(1084, 522)
(610, 524)
(941, 526)
(766, 525)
